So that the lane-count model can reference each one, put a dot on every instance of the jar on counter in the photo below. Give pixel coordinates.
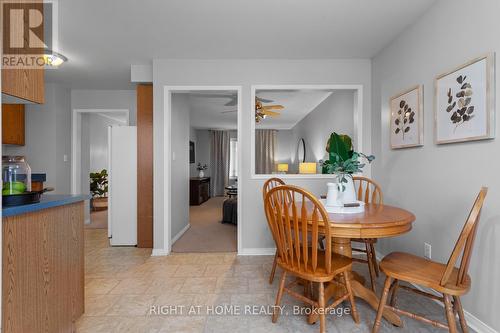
(16, 175)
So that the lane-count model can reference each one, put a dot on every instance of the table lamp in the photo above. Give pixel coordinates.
(283, 167)
(307, 168)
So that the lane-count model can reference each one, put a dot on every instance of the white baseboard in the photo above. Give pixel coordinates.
(475, 323)
(180, 233)
(159, 252)
(257, 252)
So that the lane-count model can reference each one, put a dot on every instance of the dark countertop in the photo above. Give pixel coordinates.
(47, 201)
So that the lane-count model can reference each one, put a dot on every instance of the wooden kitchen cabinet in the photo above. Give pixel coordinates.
(25, 83)
(13, 130)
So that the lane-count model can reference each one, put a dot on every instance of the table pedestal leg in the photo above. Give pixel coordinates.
(343, 246)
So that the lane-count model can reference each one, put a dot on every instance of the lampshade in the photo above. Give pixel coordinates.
(282, 167)
(307, 167)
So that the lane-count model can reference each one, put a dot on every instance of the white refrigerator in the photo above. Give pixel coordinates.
(122, 185)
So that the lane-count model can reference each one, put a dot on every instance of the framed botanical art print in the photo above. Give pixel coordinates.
(406, 119)
(464, 102)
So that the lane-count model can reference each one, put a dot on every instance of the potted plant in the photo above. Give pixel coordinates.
(201, 169)
(99, 189)
(343, 162)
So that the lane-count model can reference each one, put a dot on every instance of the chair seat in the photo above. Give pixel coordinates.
(340, 263)
(424, 272)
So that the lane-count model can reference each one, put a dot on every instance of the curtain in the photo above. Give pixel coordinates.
(220, 162)
(265, 146)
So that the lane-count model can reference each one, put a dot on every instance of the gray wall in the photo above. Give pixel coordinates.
(98, 134)
(180, 165)
(106, 99)
(334, 114)
(254, 229)
(48, 138)
(439, 183)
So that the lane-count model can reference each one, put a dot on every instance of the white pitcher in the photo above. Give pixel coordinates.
(332, 197)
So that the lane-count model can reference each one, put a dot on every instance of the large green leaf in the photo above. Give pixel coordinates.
(340, 146)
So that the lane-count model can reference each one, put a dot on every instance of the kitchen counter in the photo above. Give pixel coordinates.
(43, 265)
(47, 201)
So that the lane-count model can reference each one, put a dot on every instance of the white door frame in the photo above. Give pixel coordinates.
(167, 121)
(76, 143)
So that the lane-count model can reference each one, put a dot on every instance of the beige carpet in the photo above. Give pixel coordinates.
(98, 220)
(206, 233)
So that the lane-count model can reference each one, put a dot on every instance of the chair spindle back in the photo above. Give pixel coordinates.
(293, 213)
(367, 190)
(465, 242)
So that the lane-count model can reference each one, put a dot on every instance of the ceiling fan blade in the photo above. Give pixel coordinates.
(232, 102)
(273, 107)
(229, 111)
(264, 100)
(271, 113)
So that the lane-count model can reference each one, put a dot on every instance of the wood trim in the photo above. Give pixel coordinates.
(43, 270)
(145, 165)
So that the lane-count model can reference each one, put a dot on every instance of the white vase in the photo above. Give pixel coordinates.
(201, 174)
(347, 193)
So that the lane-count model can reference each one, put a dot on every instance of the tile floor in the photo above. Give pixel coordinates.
(122, 284)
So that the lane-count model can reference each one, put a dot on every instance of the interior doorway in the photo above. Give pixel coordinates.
(205, 170)
(90, 162)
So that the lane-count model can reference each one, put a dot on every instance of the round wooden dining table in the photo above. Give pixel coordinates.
(377, 221)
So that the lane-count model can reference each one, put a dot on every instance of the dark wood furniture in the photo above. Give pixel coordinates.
(43, 270)
(13, 124)
(145, 165)
(296, 231)
(368, 191)
(448, 280)
(24, 83)
(199, 190)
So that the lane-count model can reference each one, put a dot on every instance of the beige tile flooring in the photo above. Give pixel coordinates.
(122, 284)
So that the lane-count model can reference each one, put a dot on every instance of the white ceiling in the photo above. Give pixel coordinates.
(207, 107)
(103, 38)
(297, 103)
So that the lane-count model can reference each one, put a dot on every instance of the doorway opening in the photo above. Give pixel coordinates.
(204, 171)
(90, 160)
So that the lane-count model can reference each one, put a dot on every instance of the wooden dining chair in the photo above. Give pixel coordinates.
(368, 191)
(296, 219)
(448, 280)
(268, 185)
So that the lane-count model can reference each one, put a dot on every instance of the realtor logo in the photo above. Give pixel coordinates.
(27, 33)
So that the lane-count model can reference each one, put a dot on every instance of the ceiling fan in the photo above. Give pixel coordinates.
(263, 111)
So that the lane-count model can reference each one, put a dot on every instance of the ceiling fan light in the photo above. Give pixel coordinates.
(54, 59)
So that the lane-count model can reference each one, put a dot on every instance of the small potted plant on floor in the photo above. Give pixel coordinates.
(99, 189)
(201, 169)
(343, 162)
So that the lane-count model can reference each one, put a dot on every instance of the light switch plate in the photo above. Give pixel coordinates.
(427, 250)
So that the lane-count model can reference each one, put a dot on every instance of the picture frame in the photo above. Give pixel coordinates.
(464, 102)
(407, 118)
(192, 155)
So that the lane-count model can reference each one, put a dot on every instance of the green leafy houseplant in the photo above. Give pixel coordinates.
(343, 161)
(99, 184)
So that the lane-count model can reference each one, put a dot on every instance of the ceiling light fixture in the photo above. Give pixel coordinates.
(53, 59)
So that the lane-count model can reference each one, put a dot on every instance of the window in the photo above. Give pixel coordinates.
(233, 158)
